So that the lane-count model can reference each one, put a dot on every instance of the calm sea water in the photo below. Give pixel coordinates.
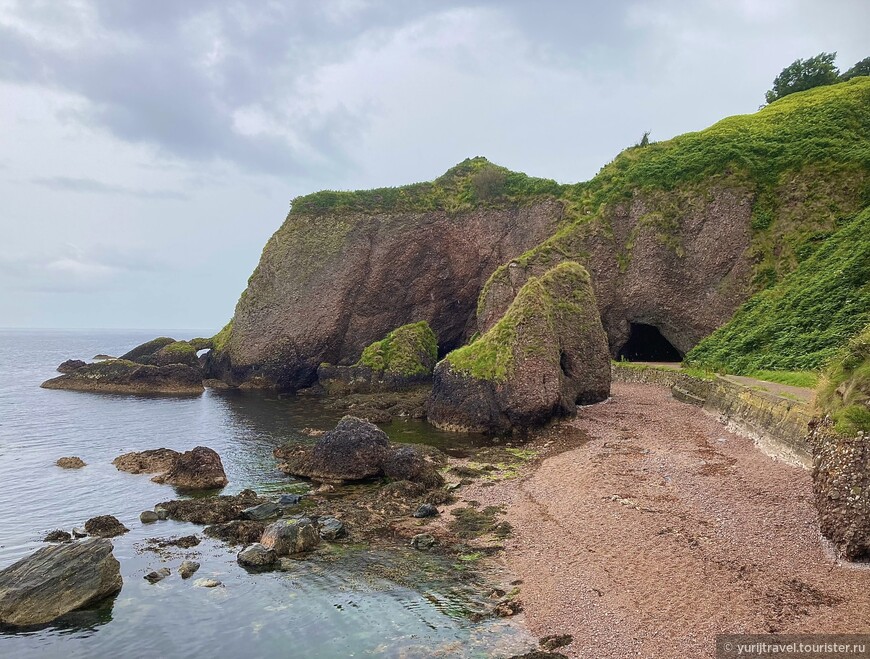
(342, 608)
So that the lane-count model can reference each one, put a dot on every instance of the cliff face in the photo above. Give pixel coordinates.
(676, 235)
(329, 285)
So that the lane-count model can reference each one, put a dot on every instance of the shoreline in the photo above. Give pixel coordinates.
(662, 529)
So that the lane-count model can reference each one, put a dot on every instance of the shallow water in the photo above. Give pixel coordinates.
(352, 606)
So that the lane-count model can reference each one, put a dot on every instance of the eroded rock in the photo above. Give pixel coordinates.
(105, 526)
(70, 365)
(56, 580)
(187, 569)
(152, 461)
(72, 462)
(291, 536)
(126, 377)
(210, 510)
(546, 354)
(198, 469)
(257, 555)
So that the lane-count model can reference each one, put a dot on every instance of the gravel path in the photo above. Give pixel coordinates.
(663, 530)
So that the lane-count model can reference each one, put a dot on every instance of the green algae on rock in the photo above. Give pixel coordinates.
(402, 360)
(544, 356)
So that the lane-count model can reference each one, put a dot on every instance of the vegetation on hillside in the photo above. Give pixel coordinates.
(800, 323)
(812, 72)
(844, 392)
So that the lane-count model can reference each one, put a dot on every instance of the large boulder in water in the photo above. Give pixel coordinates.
(105, 526)
(56, 580)
(291, 536)
(70, 365)
(403, 359)
(355, 449)
(152, 461)
(198, 469)
(544, 356)
(121, 376)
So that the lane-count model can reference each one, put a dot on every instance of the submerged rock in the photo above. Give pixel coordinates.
(70, 365)
(148, 517)
(207, 583)
(105, 526)
(72, 462)
(187, 569)
(236, 532)
(291, 536)
(152, 461)
(403, 359)
(158, 575)
(257, 555)
(546, 354)
(56, 580)
(198, 469)
(127, 377)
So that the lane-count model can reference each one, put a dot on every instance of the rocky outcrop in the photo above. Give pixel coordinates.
(143, 353)
(71, 462)
(120, 376)
(404, 359)
(105, 526)
(70, 365)
(291, 536)
(152, 461)
(544, 356)
(841, 485)
(329, 284)
(198, 469)
(355, 450)
(210, 510)
(56, 580)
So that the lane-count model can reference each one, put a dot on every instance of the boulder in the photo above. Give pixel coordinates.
(423, 541)
(546, 354)
(409, 464)
(331, 529)
(355, 449)
(207, 583)
(291, 536)
(425, 510)
(841, 486)
(57, 536)
(70, 365)
(148, 516)
(262, 511)
(152, 461)
(121, 376)
(403, 359)
(257, 555)
(105, 526)
(187, 569)
(289, 499)
(197, 469)
(56, 580)
(236, 532)
(72, 462)
(158, 575)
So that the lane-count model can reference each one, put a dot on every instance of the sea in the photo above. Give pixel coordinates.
(348, 606)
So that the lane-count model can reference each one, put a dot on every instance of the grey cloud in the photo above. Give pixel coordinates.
(89, 185)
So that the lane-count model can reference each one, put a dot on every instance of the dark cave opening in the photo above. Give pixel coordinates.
(646, 344)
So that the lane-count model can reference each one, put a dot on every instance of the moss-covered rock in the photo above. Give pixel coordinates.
(402, 360)
(177, 352)
(145, 351)
(127, 377)
(544, 356)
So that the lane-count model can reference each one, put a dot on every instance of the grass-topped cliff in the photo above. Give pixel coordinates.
(676, 234)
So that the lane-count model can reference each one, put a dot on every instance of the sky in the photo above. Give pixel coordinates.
(148, 149)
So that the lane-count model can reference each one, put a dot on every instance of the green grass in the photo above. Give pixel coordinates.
(219, 341)
(408, 350)
(844, 390)
(806, 379)
(801, 323)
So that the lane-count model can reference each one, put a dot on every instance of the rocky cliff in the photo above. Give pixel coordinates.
(676, 235)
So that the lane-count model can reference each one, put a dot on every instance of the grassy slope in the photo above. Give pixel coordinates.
(800, 323)
(844, 392)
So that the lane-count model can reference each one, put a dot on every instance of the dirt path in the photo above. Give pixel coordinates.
(664, 530)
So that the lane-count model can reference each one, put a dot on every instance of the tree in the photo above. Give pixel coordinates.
(862, 68)
(804, 74)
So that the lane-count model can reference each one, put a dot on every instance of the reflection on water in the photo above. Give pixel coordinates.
(358, 604)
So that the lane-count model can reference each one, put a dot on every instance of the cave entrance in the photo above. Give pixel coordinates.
(646, 344)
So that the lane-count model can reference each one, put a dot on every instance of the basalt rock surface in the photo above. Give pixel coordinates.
(121, 376)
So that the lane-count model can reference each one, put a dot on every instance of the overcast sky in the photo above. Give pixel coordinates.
(149, 148)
